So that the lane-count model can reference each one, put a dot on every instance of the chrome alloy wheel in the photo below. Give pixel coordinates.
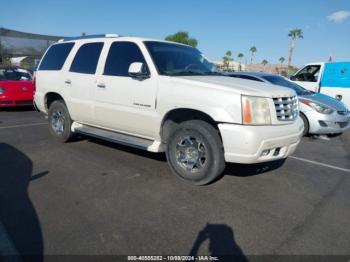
(191, 154)
(57, 122)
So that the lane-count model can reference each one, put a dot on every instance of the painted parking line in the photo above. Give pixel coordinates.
(320, 164)
(23, 125)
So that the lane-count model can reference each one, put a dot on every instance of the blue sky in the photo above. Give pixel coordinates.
(218, 25)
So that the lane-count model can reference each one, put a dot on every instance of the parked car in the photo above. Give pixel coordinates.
(164, 97)
(332, 79)
(321, 114)
(16, 87)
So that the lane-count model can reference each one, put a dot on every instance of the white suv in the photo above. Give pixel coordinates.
(164, 97)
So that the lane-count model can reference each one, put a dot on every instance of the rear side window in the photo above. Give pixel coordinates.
(86, 59)
(56, 56)
(120, 56)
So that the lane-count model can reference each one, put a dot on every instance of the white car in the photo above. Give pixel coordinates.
(164, 97)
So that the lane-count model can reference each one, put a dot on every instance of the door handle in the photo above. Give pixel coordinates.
(101, 85)
(68, 82)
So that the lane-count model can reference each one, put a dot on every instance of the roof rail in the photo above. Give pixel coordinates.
(88, 37)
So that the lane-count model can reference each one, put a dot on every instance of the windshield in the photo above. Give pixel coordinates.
(175, 59)
(278, 80)
(7, 74)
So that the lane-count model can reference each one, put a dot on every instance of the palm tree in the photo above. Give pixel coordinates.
(294, 34)
(227, 58)
(252, 51)
(240, 57)
(282, 59)
(183, 38)
(264, 62)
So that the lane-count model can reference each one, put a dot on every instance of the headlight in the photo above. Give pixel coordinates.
(256, 110)
(2, 90)
(317, 107)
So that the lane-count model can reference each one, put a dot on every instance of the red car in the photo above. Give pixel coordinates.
(16, 87)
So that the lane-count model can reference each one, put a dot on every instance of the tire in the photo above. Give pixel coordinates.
(306, 124)
(195, 152)
(60, 122)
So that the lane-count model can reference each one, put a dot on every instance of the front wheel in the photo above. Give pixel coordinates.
(306, 124)
(60, 121)
(195, 152)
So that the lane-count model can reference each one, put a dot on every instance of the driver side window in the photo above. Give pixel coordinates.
(120, 56)
(308, 74)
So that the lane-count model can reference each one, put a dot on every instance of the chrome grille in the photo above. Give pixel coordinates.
(286, 108)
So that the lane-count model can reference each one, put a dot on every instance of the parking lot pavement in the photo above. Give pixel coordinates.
(93, 197)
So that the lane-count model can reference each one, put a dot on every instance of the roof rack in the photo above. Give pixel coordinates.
(88, 37)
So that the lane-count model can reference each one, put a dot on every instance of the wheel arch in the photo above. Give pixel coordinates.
(50, 97)
(303, 116)
(178, 115)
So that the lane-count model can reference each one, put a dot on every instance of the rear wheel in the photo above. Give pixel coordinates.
(306, 124)
(60, 121)
(195, 152)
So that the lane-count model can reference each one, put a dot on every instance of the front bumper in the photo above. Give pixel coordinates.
(327, 124)
(246, 144)
(8, 101)
(14, 103)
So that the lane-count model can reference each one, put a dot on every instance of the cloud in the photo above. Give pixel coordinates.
(338, 17)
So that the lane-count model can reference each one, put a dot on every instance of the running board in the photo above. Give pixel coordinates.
(128, 140)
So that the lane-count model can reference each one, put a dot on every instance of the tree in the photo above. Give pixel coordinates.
(282, 59)
(227, 58)
(183, 38)
(294, 34)
(240, 57)
(252, 51)
(4, 55)
(264, 62)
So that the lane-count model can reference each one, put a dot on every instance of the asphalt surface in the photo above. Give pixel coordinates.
(94, 197)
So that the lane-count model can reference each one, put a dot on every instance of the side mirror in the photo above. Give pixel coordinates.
(137, 70)
(292, 78)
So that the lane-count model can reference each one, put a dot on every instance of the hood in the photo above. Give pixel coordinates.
(240, 86)
(326, 100)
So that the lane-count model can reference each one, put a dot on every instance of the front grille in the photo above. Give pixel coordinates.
(24, 102)
(5, 102)
(286, 108)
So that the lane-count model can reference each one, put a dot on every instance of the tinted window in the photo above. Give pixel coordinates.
(120, 56)
(86, 59)
(175, 59)
(56, 56)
